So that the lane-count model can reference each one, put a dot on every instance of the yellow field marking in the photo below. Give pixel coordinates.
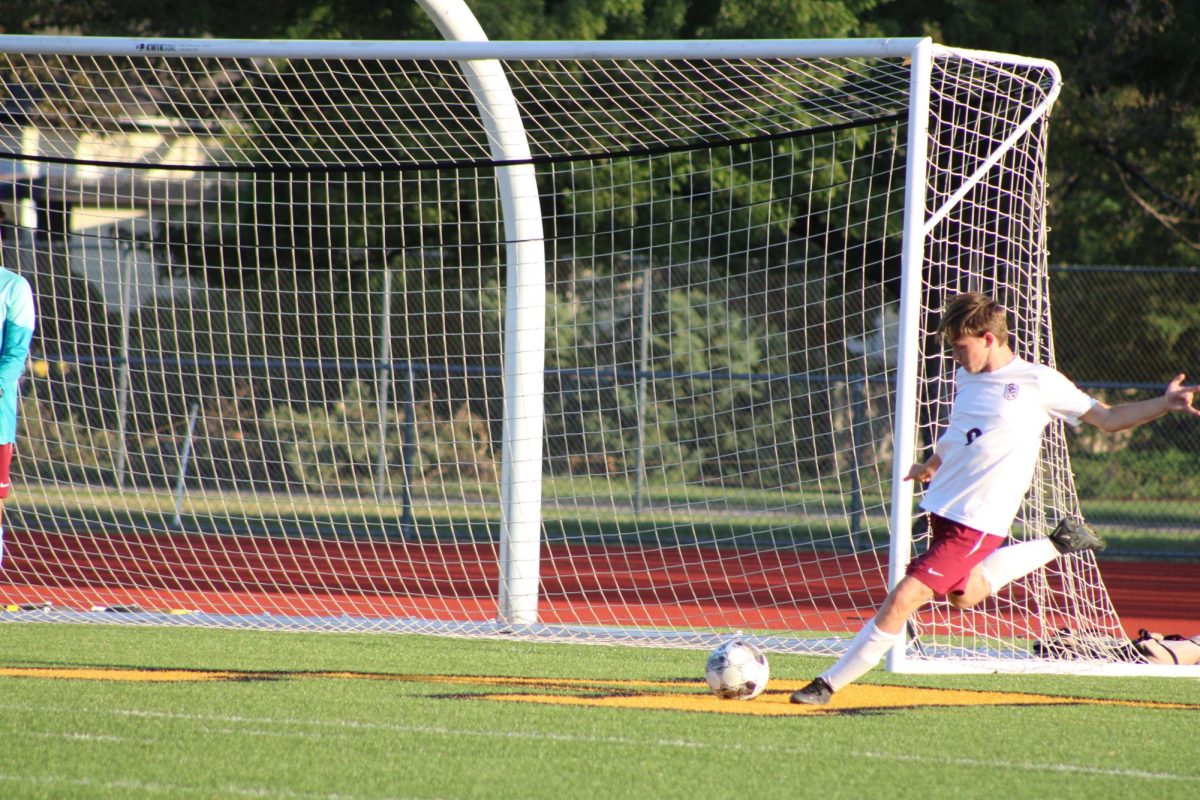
(692, 696)
(859, 697)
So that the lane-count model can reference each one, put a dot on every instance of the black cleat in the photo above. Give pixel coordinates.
(1072, 536)
(816, 693)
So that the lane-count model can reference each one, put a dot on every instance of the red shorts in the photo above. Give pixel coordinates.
(953, 552)
(6, 451)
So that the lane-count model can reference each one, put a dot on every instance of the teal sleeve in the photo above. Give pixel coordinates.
(14, 353)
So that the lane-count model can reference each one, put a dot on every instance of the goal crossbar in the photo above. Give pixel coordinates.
(712, 49)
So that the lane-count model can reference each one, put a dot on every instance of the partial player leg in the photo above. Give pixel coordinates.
(871, 644)
(1018, 560)
(947, 567)
(977, 589)
(6, 454)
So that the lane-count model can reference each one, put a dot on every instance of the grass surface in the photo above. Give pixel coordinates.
(396, 726)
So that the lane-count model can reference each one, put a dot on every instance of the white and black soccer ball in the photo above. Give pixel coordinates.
(737, 670)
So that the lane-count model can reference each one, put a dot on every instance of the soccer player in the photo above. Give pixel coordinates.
(978, 475)
(16, 332)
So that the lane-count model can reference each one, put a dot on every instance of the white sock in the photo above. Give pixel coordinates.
(866, 650)
(1016, 561)
(1, 546)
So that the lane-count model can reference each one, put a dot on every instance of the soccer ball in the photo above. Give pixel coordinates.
(737, 670)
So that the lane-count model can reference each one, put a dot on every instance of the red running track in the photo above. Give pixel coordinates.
(455, 582)
(1161, 596)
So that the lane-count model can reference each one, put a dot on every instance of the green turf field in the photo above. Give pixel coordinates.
(122, 712)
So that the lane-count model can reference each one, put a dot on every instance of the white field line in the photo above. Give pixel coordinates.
(128, 787)
(339, 728)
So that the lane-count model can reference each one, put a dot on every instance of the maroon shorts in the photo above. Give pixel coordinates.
(6, 453)
(954, 550)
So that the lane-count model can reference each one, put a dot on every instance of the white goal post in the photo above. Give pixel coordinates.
(593, 341)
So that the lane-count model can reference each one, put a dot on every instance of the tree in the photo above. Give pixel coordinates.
(1124, 177)
(501, 19)
(245, 19)
(1125, 182)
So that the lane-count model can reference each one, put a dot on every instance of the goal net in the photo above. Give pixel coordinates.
(605, 341)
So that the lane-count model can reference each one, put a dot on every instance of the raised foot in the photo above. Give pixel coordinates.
(1072, 536)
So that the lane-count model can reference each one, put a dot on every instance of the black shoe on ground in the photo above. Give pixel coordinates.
(816, 693)
(1072, 536)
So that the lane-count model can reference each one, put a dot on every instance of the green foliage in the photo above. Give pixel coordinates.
(1124, 137)
(1123, 189)
(1125, 134)
(670, 19)
(700, 350)
(580, 19)
(1136, 327)
(59, 447)
(334, 447)
(339, 447)
(246, 19)
(801, 19)
(1137, 475)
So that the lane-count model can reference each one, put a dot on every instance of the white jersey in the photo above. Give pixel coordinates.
(990, 448)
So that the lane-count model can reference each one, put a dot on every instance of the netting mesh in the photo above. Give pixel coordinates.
(268, 383)
(321, 115)
(986, 232)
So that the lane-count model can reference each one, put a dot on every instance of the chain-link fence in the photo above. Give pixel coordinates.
(1122, 333)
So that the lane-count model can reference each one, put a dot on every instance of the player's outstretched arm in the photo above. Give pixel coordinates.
(1177, 397)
